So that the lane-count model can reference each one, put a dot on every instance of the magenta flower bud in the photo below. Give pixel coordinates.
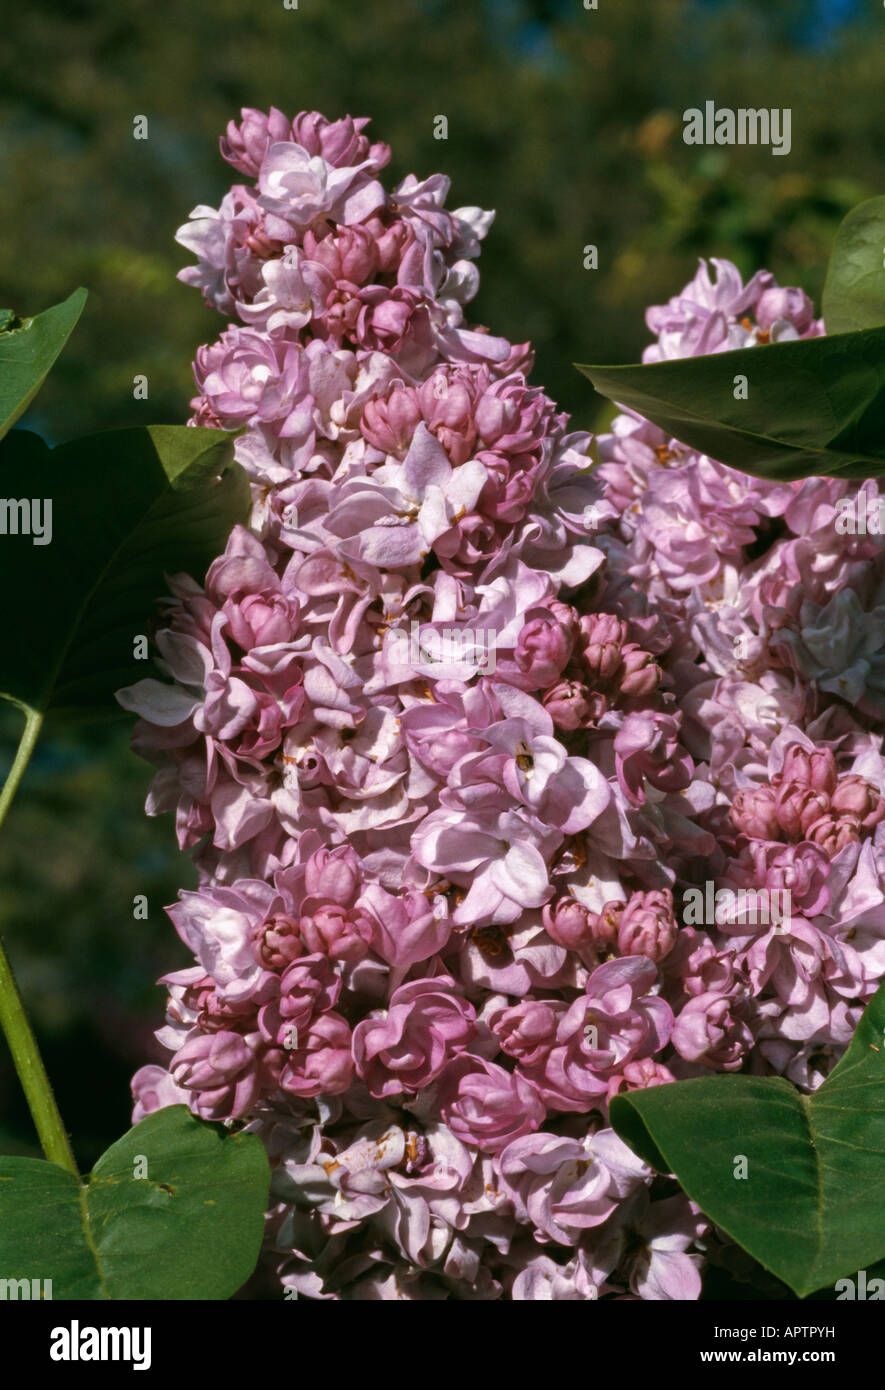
(816, 770)
(640, 673)
(308, 987)
(855, 796)
(340, 932)
(386, 316)
(486, 1106)
(338, 142)
(754, 813)
(245, 145)
(710, 1030)
(800, 869)
(638, 1075)
(648, 926)
(601, 638)
(790, 304)
(569, 924)
(542, 650)
(512, 417)
(390, 424)
(391, 242)
(349, 254)
(606, 924)
(833, 833)
(697, 964)
(798, 807)
(220, 1068)
(565, 614)
(426, 1025)
(215, 1012)
(260, 620)
(333, 874)
(343, 309)
(323, 1062)
(447, 403)
(527, 1031)
(572, 705)
(277, 941)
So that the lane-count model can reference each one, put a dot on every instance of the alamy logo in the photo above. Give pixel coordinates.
(743, 907)
(746, 126)
(456, 652)
(24, 518)
(14, 1289)
(861, 515)
(76, 1343)
(872, 1290)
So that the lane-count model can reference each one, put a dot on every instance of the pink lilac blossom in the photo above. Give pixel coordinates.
(451, 730)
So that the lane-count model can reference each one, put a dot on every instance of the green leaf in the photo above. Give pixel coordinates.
(28, 350)
(813, 407)
(127, 508)
(854, 293)
(809, 1209)
(191, 1228)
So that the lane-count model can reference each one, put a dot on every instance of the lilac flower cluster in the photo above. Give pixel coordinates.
(440, 918)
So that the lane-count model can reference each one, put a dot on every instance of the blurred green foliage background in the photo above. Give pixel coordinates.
(568, 121)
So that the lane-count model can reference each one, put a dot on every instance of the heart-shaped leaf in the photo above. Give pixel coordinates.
(854, 293)
(82, 577)
(28, 349)
(808, 1207)
(782, 411)
(173, 1210)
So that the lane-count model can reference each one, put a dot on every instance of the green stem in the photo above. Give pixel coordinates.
(22, 1043)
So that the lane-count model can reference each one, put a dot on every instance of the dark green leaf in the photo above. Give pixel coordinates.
(813, 407)
(854, 293)
(27, 352)
(190, 1229)
(128, 507)
(810, 1207)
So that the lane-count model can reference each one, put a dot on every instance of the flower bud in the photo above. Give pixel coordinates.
(565, 614)
(349, 254)
(855, 796)
(572, 705)
(816, 770)
(542, 650)
(333, 874)
(711, 1031)
(343, 933)
(322, 1063)
(569, 924)
(640, 674)
(798, 807)
(637, 1076)
(277, 941)
(648, 926)
(447, 401)
(220, 1068)
(245, 145)
(391, 242)
(338, 142)
(607, 922)
(601, 638)
(790, 304)
(754, 813)
(527, 1031)
(833, 833)
(390, 424)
